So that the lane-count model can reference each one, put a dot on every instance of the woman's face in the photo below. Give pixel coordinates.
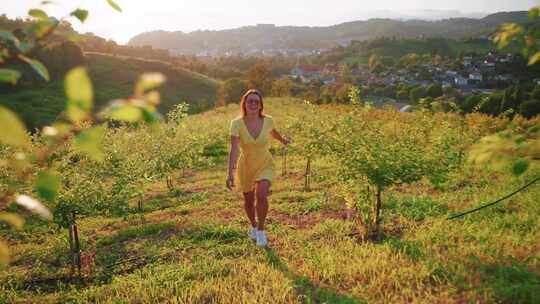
(253, 104)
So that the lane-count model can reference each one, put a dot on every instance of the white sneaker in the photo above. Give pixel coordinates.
(253, 233)
(261, 238)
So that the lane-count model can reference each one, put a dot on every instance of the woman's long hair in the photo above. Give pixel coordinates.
(244, 99)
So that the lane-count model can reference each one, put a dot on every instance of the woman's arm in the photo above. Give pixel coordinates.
(233, 157)
(281, 139)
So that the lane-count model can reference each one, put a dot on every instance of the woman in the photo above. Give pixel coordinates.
(251, 131)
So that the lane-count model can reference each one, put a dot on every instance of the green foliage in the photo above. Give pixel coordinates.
(47, 185)
(232, 90)
(282, 87)
(530, 108)
(114, 5)
(80, 14)
(89, 141)
(37, 66)
(12, 131)
(518, 146)
(79, 93)
(260, 78)
(9, 76)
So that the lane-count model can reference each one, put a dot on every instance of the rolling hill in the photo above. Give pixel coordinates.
(112, 78)
(268, 36)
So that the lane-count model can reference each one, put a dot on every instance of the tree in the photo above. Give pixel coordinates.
(491, 104)
(260, 77)
(416, 93)
(232, 90)
(402, 95)
(434, 90)
(530, 108)
(282, 87)
(345, 74)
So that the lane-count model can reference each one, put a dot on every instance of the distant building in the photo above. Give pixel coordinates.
(461, 81)
(475, 76)
(504, 77)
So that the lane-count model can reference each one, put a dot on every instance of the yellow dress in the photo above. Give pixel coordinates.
(255, 162)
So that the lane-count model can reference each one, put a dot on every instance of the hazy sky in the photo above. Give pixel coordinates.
(139, 15)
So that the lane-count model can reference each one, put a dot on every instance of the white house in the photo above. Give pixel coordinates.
(475, 76)
(460, 81)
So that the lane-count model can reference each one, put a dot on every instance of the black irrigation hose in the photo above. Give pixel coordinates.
(495, 202)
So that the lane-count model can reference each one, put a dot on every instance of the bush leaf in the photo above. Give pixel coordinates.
(148, 81)
(520, 166)
(47, 185)
(79, 93)
(10, 76)
(126, 112)
(38, 14)
(12, 130)
(114, 5)
(81, 14)
(37, 66)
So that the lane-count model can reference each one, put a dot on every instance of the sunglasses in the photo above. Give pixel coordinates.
(253, 101)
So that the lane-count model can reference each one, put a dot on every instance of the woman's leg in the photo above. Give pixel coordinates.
(249, 206)
(263, 187)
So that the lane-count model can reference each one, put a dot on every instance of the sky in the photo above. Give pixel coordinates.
(176, 15)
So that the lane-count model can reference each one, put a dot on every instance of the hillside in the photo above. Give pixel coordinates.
(189, 244)
(113, 77)
(267, 36)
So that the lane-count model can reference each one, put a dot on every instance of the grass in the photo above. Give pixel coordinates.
(192, 247)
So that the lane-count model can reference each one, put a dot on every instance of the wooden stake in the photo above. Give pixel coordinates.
(307, 175)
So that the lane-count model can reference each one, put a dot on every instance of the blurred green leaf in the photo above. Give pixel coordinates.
(37, 66)
(534, 58)
(12, 219)
(4, 254)
(126, 113)
(520, 166)
(114, 5)
(44, 27)
(61, 128)
(8, 36)
(506, 33)
(151, 116)
(148, 81)
(533, 13)
(79, 93)
(10, 76)
(12, 130)
(46, 2)
(38, 14)
(88, 142)
(47, 185)
(81, 14)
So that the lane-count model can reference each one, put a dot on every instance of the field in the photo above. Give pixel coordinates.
(181, 237)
